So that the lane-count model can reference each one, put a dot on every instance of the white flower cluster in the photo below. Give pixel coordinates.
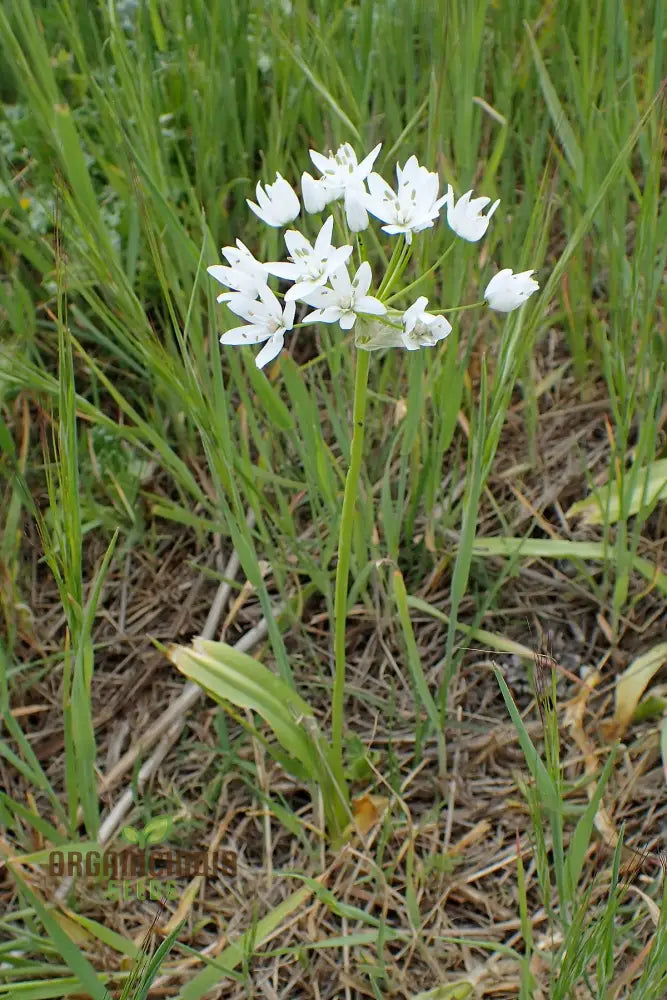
(319, 273)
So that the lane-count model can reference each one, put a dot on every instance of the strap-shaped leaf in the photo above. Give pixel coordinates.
(230, 675)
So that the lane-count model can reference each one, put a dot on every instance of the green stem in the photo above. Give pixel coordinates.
(352, 484)
(400, 249)
(417, 281)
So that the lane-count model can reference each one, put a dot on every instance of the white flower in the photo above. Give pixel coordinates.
(342, 302)
(465, 217)
(342, 177)
(240, 257)
(422, 329)
(267, 321)
(245, 274)
(314, 193)
(355, 208)
(310, 266)
(340, 170)
(507, 291)
(278, 204)
(413, 207)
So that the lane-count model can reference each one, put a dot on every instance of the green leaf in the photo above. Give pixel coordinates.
(154, 962)
(450, 991)
(581, 838)
(563, 548)
(416, 669)
(47, 830)
(234, 953)
(561, 124)
(156, 25)
(268, 399)
(47, 989)
(321, 89)
(158, 829)
(545, 786)
(231, 676)
(123, 945)
(71, 954)
(474, 485)
(647, 486)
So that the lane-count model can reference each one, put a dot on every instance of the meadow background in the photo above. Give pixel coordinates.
(156, 486)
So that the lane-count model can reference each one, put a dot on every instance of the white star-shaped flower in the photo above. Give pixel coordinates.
(309, 266)
(245, 274)
(507, 291)
(422, 329)
(278, 204)
(267, 321)
(345, 299)
(465, 217)
(415, 204)
(342, 177)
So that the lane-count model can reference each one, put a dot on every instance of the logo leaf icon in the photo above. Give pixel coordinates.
(157, 829)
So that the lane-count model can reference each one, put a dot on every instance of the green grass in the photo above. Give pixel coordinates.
(123, 422)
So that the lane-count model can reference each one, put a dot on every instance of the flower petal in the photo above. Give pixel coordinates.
(288, 315)
(320, 297)
(329, 315)
(369, 304)
(283, 269)
(362, 279)
(250, 309)
(319, 160)
(251, 334)
(303, 290)
(323, 241)
(296, 242)
(340, 279)
(271, 350)
(260, 213)
(365, 166)
(355, 210)
(315, 194)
